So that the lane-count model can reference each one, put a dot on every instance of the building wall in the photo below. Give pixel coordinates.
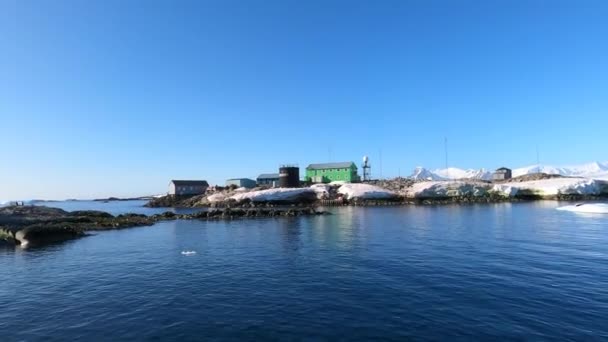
(243, 182)
(502, 175)
(330, 175)
(268, 181)
(186, 189)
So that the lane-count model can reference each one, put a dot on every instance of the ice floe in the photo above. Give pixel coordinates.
(598, 208)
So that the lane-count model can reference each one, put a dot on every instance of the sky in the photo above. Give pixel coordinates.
(117, 97)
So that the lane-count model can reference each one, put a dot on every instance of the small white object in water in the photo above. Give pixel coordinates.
(188, 252)
(598, 208)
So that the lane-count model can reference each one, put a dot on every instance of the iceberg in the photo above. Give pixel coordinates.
(594, 208)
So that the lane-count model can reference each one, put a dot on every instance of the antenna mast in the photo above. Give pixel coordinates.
(446, 157)
(380, 173)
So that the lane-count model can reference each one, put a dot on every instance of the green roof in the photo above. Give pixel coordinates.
(268, 176)
(341, 165)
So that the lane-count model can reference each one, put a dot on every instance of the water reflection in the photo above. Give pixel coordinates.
(290, 231)
(118, 207)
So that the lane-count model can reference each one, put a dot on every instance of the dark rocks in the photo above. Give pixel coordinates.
(170, 201)
(37, 225)
(91, 213)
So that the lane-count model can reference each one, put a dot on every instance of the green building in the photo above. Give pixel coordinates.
(329, 172)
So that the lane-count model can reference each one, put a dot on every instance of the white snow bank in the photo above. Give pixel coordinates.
(544, 187)
(338, 183)
(447, 189)
(553, 186)
(241, 189)
(365, 191)
(278, 194)
(599, 208)
(322, 190)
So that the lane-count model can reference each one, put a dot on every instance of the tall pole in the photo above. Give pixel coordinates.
(446, 157)
(380, 173)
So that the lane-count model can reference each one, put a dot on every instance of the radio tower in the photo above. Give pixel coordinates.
(446, 158)
(367, 169)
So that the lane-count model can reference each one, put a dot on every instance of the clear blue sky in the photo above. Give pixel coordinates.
(117, 97)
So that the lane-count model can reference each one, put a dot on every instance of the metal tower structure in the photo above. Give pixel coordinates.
(367, 169)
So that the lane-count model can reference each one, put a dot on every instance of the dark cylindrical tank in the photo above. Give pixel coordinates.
(289, 176)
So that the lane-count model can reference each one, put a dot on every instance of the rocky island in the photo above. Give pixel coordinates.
(38, 225)
(399, 191)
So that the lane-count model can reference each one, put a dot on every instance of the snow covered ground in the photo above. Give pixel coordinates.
(447, 189)
(549, 187)
(545, 187)
(365, 191)
(278, 194)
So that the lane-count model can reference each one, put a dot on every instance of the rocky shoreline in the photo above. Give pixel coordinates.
(39, 225)
(194, 201)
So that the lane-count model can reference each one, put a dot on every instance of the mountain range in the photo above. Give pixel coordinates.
(596, 170)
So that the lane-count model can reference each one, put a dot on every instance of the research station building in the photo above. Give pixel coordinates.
(241, 183)
(502, 174)
(187, 187)
(268, 179)
(331, 172)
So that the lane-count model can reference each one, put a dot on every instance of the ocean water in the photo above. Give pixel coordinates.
(116, 207)
(507, 271)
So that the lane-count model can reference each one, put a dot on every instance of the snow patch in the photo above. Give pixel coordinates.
(338, 183)
(219, 197)
(322, 190)
(365, 191)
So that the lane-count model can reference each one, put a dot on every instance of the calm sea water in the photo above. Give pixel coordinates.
(510, 271)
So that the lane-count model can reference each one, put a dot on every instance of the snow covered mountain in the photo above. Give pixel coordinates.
(421, 173)
(456, 173)
(596, 170)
